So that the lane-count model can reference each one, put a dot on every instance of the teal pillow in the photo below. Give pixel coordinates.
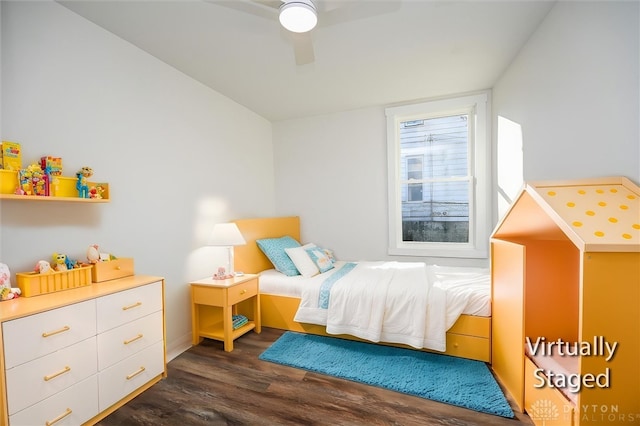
(320, 258)
(273, 248)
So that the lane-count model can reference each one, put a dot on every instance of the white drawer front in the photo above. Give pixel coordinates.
(31, 337)
(121, 379)
(38, 379)
(73, 406)
(125, 306)
(118, 343)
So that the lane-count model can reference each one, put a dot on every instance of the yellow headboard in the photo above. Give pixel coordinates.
(249, 258)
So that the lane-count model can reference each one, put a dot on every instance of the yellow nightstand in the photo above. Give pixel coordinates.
(214, 302)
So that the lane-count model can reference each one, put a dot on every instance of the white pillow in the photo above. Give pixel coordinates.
(301, 259)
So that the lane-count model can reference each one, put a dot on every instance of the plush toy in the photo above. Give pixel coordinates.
(6, 291)
(81, 184)
(42, 267)
(93, 255)
(59, 262)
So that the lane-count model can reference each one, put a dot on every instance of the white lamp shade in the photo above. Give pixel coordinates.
(226, 234)
(298, 16)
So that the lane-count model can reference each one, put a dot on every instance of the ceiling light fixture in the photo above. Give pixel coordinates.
(298, 16)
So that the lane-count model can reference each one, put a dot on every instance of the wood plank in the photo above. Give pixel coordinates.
(208, 386)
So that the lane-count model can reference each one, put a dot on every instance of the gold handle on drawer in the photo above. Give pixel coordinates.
(139, 336)
(66, 369)
(51, 333)
(135, 305)
(132, 375)
(118, 268)
(60, 417)
(244, 290)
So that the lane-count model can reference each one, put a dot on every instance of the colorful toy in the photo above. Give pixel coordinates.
(81, 185)
(59, 262)
(96, 192)
(42, 267)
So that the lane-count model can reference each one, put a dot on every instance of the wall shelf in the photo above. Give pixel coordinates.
(63, 190)
(65, 199)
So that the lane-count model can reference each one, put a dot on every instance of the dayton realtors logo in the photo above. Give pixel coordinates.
(544, 410)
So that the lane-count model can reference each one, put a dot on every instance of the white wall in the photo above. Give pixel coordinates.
(178, 156)
(574, 91)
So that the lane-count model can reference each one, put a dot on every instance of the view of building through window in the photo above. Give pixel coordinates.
(435, 179)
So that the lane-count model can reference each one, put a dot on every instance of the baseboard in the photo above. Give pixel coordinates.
(177, 346)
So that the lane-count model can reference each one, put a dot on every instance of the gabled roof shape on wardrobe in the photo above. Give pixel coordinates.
(597, 215)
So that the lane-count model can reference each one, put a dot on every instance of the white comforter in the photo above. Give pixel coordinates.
(394, 302)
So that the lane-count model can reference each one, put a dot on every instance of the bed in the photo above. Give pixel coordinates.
(281, 296)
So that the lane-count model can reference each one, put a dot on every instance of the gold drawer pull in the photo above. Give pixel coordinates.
(66, 369)
(135, 305)
(60, 417)
(244, 290)
(51, 333)
(139, 336)
(132, 375)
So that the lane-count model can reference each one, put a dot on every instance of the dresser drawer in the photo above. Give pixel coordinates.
(242, 291)
(121, 379)
(73, 406)
(38, 379)
(126, 306)
(118, 343)
(31, 337)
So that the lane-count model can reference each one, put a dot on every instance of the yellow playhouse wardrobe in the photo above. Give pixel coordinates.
(565, 264)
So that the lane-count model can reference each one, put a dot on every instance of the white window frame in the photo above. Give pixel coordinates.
(478, 107)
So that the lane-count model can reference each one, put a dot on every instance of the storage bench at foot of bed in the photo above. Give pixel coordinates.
(545, 405)
(468, 338)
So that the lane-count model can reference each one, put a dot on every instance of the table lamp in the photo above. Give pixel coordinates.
(227, 235)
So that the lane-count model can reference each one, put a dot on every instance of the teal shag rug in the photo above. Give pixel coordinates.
(456, 381)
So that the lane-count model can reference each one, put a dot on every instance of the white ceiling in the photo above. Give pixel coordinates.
(409, 49)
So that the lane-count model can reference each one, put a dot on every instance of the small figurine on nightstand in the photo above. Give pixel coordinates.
(81, 185)
(221, 274)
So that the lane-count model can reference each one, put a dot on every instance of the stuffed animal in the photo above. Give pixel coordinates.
(42, 267)
(93, 255)
(59, 262)
(6, 291)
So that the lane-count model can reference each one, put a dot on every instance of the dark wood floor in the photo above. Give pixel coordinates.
(207, 386)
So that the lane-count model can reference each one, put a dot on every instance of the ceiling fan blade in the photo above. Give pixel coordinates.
(302, 48)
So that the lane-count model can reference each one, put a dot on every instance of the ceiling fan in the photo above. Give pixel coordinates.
(300, 17)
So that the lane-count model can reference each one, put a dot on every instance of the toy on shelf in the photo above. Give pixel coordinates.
(43, 267)
(81, 185)
(10, 156)
(96, 192)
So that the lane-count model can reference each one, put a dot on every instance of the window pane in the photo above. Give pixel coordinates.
(442, 216)
(435, 152)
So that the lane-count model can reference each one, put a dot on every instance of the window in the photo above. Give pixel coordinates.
(439, 177)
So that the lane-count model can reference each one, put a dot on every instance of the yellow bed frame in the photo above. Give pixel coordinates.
(470, 336)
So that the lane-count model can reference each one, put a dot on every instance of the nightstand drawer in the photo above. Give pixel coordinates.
(242, 291)
(213, 296)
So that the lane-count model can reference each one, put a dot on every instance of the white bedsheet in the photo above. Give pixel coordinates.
(381, 302)
(467, 288)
